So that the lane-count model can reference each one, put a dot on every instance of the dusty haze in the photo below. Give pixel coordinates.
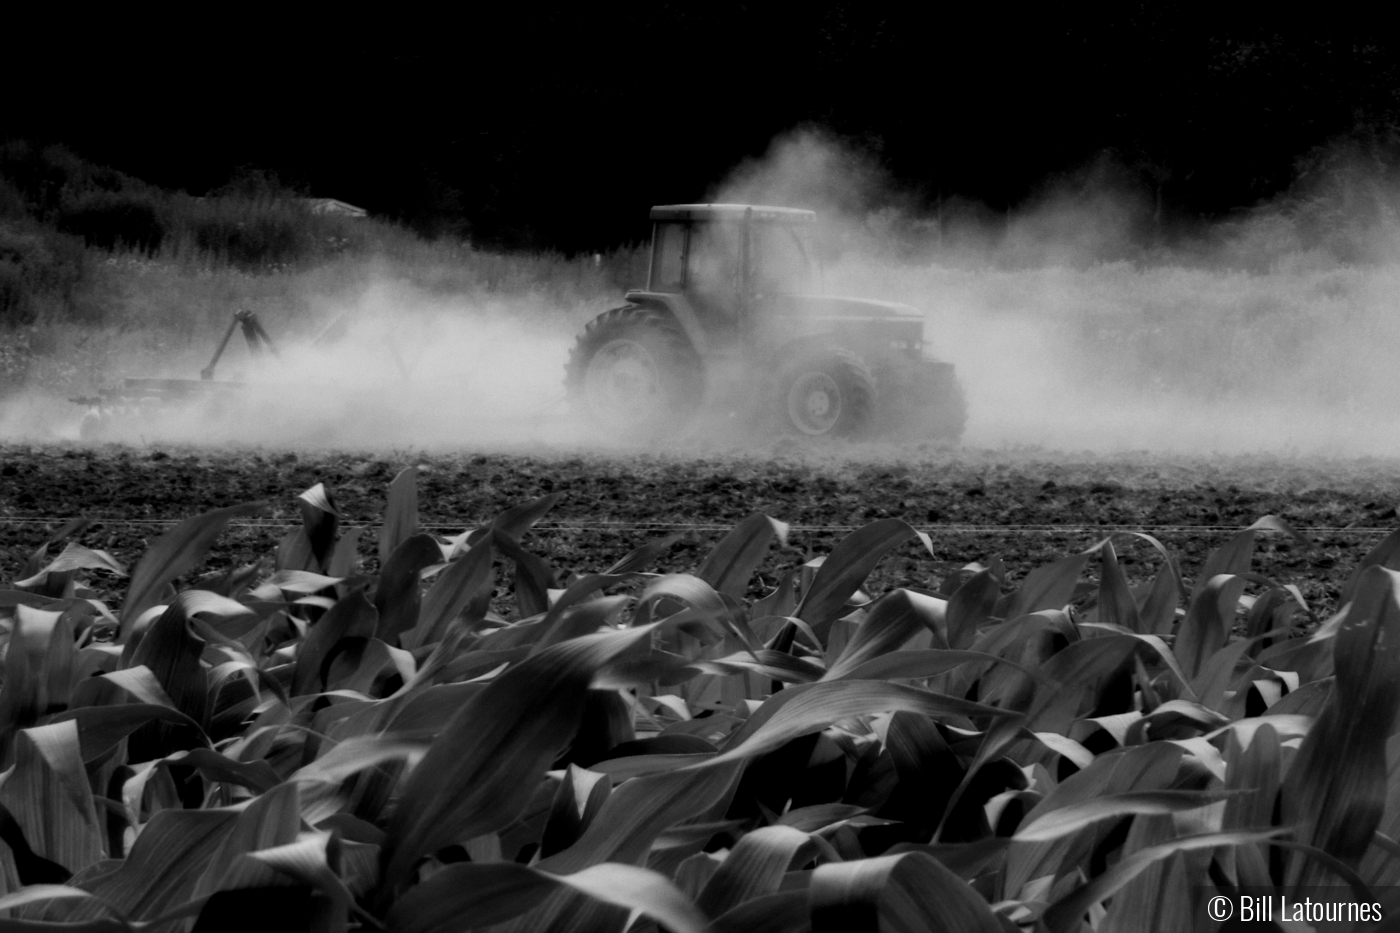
(1080, 321)
(1085, 321)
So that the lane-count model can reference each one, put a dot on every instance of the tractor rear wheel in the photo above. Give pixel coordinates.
(826, 394)
(633, 372)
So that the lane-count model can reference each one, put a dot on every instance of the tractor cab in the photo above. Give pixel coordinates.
(727, 257)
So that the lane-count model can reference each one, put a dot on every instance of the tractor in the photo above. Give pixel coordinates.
(729, 322)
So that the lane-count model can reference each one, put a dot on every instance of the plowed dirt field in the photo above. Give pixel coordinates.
(1026, 507)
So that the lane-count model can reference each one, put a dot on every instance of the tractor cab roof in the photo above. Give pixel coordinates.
(731, 212)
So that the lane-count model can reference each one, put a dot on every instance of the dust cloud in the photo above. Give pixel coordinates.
(1082, 320)
(392, 367)
(408, 370)
(1085, 321)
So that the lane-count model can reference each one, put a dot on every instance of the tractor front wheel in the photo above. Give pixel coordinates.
(829, 394)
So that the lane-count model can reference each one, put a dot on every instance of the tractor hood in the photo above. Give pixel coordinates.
(830, 307)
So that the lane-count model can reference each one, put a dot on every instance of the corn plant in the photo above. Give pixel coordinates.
(325, 749)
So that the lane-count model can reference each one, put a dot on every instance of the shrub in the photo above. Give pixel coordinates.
(49, 177)
(112, 221)
(262, 235)
(12, 204)
(42, 273)
(16, 354)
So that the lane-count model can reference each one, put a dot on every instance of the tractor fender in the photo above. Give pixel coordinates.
(680, 308)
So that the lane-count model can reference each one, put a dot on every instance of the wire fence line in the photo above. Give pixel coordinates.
(586, 525)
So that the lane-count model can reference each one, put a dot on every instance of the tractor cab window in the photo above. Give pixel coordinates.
(714, 262)
(780, 260)
(668, 258)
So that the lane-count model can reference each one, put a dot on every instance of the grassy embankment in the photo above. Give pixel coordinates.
(103, 275)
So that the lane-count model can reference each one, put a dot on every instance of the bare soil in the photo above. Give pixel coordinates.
(1027, 507)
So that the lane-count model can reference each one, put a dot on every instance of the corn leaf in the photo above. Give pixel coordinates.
(928, 772)
(160, 873)
(784, 912)
(925, 662)
(580, 796)
(892, 621)
(678, 588)
(140, 682)
(533, 576)
(1066, 748)
(425, 712)
(24, 692)
(400, 514)
(1253, 772)
(272, 819)
(298, 582)
(172, 654)
(100, 728)
(1116, 605)
(518, 519)
(295, 554)
(37, 893)
(320, 522)
(849, 563)
(75, 557)
(175, 552)
(1157, 613)
(257, 776)
(1160, 899)
(641, 557)
(639, 810)
(451, 592)
(397, 597)
(1071, 819)
(1208, 621)
(1336, 786)
(311, 859)
(1073, 673)
(819, 816)
(1386, 554)
(351, 617)
(359, 754)
(494, 892)
(344, 560)
(731, 563)
(48, 793)
(970, 607)
(1141, 768)
(777, 665)
(1218, 672)
(754, 867)
(1066, 914)
(1231, 559)
(808, 708)
(907, 892)
(480, 772)
(1048, 587)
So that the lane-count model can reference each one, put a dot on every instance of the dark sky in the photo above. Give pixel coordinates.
(556, 126)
